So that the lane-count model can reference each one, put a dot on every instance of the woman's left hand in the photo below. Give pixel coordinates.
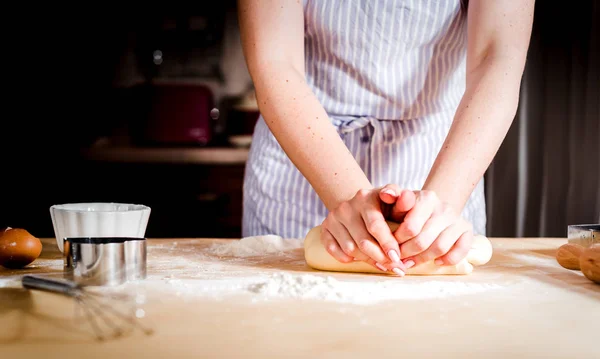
(432, 230)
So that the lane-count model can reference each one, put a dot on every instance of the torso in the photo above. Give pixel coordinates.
(385, 59)
(390, 74)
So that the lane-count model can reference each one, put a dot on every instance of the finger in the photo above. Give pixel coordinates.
(441, 245)
(344, 240)
(382, 263)
(459, 251)
(389, 193)
(371, 248)
(404, 203)
(423, 241)
(417, 245)
(379, 230)
(364, 241)
(416, 218)
(380, 267)
(333, 247)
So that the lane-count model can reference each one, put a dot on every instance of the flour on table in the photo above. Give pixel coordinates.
(10, 282)
(255, 246)
(284, 285)
(327, 288)
(538, 261)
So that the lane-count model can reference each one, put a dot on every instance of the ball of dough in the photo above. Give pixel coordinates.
(317, 257)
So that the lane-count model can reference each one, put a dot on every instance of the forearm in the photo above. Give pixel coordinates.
(480, 125)
(302, 128)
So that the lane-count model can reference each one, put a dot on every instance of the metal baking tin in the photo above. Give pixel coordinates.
(104, 261)
(583, 234)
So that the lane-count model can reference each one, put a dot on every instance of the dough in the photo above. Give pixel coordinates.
(317, 257)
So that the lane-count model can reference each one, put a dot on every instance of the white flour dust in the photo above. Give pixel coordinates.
(267, 285)
(285, 285)
(306, 286)
(538, 261)
(255, 246)
(10, 282)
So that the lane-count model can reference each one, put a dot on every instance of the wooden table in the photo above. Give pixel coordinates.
(536, 309)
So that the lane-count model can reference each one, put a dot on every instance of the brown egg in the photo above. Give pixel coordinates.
(18, 248)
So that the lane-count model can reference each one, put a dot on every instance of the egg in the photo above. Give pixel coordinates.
(18, 248)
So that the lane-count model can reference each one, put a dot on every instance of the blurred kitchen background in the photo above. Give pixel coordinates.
(114, 104)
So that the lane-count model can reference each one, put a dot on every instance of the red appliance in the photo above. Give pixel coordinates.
(179, 115)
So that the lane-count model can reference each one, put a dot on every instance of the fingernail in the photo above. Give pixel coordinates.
(390, 192)
(394, 255)
(354, 259)
(398, 271)
(438, 262)
(381, 267)
(409, 263)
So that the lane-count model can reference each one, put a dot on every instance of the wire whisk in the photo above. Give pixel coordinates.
(98, 309)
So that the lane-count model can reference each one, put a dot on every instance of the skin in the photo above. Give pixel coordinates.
(498, 39)
(272, 34)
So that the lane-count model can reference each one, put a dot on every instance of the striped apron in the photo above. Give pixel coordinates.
(390, 74)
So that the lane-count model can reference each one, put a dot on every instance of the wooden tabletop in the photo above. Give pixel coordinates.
(525, 306)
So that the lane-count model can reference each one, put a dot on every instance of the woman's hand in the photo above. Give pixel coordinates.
(429, 229)
(357, 230)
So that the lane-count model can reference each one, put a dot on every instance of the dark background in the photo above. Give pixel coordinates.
(65, 87)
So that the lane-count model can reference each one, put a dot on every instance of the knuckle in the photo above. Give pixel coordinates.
(420, 244)
(331, 247)
(362, 193)
(436, 251)
(349, 248)
(410, 229)
(374, 225)
(364, 244)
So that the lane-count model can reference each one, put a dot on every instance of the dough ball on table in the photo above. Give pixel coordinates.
(317, 257)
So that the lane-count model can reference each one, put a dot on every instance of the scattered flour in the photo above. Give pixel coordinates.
(285, 285)
(255, 246)
(212, 279)
(324, 288)
(10, 282)
(538, 261)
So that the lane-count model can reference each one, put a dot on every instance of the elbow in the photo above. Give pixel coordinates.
(267, 65)
(505, 71)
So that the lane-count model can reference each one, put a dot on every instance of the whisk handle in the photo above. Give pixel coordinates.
(50, 285)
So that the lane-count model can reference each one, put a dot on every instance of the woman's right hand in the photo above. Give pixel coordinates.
(357, 230)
